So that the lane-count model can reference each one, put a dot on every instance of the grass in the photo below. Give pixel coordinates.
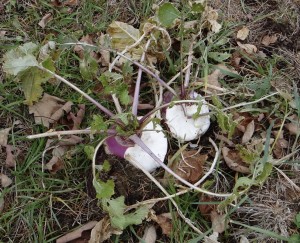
(40, 206)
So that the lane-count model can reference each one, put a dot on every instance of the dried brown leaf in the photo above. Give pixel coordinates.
(88, 39)
(243, 33)
(102, 231)
(165, 222)
(293, 128)
(62, 147)
(249, 48)
(206, 209)
(190, 167)
(150, 235)
(4, 136)
(66, 108)
(77, 119)
(45, 20)
(218, 222)
(5, 180)
(234, 161)
(76, 233)
(248, 132)
(45, 108)
(11, 154)
(269, 39)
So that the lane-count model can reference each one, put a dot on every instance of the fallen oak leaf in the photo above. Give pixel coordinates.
(234, 161)
(5, 180)
(66, 108)
(76, 233)
(45, 20)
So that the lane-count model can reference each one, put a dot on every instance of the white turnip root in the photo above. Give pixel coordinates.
(153, 138)
(181, 123)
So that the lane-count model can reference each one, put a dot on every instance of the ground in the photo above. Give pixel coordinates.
(41, 205)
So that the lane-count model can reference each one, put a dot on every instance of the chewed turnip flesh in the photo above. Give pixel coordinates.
(181, 123)
(154, 138)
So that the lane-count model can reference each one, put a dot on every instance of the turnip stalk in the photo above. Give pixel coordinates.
(138, 82)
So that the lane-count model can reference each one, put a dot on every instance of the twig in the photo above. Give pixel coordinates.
(96, 103)
(212, 165)
(71, 132)
(288, 179)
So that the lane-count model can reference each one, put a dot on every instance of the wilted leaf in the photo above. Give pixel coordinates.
(212, 16)
(165, 222)
(249, 48)
(88, 67)
(248, 132)
(49, 109)
(190, 167)
(4, 136)
(218, 222)
(234, 161)
(20, 59)
(45, 51)
(104, 189)
(167, 14)
(76, 233)
(149, 235)
(5, 180)
(32, 79)
(267, 39)
(116, 208)
(122, 35)
(103, 231)
(243, 33)
(45, 20)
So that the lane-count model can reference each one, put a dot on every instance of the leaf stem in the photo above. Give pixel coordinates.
(138, 83)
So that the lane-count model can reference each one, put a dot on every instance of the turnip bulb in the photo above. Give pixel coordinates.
(153, 137)
(184, 120)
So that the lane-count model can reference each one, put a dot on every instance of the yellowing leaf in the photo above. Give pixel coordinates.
(122, 35)
(32, 79)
